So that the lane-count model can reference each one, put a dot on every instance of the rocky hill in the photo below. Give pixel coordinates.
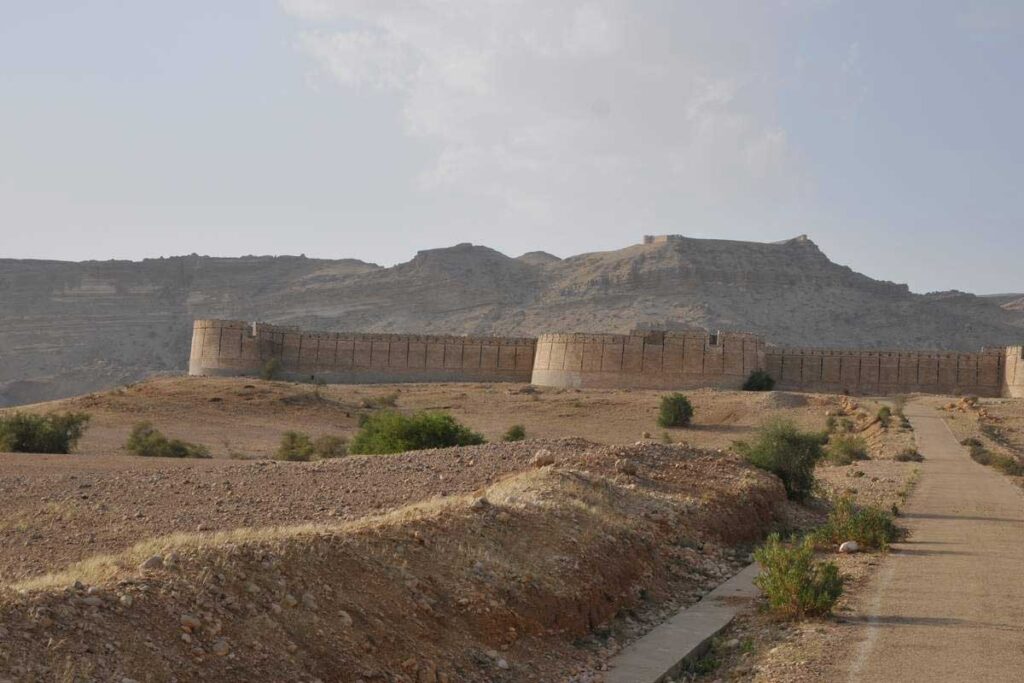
(68, 328)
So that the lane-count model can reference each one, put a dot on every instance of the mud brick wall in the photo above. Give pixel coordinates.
(646, 360)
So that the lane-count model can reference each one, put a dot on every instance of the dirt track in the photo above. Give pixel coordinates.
(947, 604)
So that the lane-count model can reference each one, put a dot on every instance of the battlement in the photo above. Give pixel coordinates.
(642, 359)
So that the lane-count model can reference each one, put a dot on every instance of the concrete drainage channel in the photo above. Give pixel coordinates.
(681, 640)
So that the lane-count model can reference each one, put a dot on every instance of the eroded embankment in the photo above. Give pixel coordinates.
(498, 586)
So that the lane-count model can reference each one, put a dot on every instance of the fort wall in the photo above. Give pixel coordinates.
(887, 372)
(647, 360)
(232, 348)
(1014, 372)
(640, 360)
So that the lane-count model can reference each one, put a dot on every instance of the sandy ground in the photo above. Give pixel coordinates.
(247, 417)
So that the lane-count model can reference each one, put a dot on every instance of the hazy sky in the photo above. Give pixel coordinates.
(888, 131)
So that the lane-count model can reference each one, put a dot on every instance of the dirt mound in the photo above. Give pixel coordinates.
(783, 399)
(500, 585)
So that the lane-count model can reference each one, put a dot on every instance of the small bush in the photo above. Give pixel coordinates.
(378, 402)
(388, 431)
(899, 402)
(759, 380)
(271, 369)
(327, 446)
(845, 450)
(831, 423)
(795, 584)
(514, 433)
(787, 452)
(909, 455)
(870, 527)
(147, 441)
(295, 447)
(884, 415)
(971, 442)
(845, 425)
(31, 433)
(675, 411)
(1008, 465)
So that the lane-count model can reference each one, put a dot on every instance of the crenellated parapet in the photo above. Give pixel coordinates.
(655, 359)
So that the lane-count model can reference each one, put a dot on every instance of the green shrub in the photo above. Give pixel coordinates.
(870, 527)
(271, 369)
(385, 401)
(909, 455)
(884, 415)
(388, 431)
(845, 450)
(845, 425)
(147, 441)
(31, 433)
(784, 450)
(295, 447)
(759, 380)
(675, 411)
(327, 446)
(793, 582)
(831, 423)
(971, 442)
(515, 433)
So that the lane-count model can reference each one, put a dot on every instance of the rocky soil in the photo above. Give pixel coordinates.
(540, 575)
(68, 328)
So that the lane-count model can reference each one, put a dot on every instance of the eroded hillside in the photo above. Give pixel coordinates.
(73, 327)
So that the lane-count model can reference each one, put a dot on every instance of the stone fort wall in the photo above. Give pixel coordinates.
(641, 360)
(888, 372)
(647, 360)
(231, 348)
(1014, 372)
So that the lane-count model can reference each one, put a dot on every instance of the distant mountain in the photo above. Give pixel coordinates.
(68, 328)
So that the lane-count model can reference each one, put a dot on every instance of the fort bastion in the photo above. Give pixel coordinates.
(640, 360)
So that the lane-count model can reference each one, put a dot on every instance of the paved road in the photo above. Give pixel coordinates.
(948, 605)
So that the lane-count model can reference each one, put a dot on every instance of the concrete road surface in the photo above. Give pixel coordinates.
(948, 605)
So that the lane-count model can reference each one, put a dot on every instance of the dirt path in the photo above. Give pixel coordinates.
(947, 604)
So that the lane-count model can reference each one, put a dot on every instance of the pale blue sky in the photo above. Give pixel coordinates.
(890, 132)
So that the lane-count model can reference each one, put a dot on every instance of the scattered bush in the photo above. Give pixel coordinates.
(794, 583)
(884, 415)
(515, 433)
(1008, 465)
(899, 402)
(295, 447)
(666, 437)
(675, 411)
(147, 441)
(378, 402)
(831, 423)
(870, 527)
(909, 455)
(327, 446)
(759, 380)
(784, 450)
(845, 450)
(271, 369)
(388, 431)
(980, 454)
(31, 433)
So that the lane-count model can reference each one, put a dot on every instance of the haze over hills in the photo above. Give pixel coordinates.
(69, 328)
